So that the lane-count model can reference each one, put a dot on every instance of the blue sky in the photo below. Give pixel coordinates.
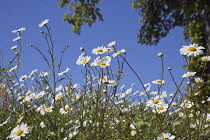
(120, 24)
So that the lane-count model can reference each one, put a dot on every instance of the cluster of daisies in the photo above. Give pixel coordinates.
(103, 62)
(157, 100)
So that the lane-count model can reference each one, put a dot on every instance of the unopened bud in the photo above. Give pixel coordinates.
(81, 49)
(160, 54)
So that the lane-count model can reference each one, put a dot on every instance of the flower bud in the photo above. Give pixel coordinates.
(81, 49)
(160, 54)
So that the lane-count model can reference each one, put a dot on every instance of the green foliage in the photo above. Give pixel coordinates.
(159, 17)
(81, 11)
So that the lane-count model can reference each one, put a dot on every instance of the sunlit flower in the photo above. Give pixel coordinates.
(62, 73)
(32, 72)
(99, 50)
(43, 73)
(19, 30)
(205, 58)
(44, 22)
(189, 74)
(40, 95)
(16, 39)
(158, 81)
(23, 78)
(187, 104)
(181, 114)
(192, 125)
(160, 54)
(64, 110)
(166, 136)
(72, 134)
(163, 94)
(122, 95)
(154, 102)
(58, 96)
(14, 68)
(82, 60)
(14, 48)
(42, 125)
(102, 62)
(161, 108)
(154, 92)
(49, 109)
(198, 80)
(128, 91)
(118, 52)
(19, 131)
(111, 44)
(192, 50)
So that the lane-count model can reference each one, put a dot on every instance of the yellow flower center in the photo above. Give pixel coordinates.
(187, 105)
(102, 63)
(155, 101)
(19, 132)
(59, 96)
(165, 138)
(158, 81)
(84, 62)
(118, 52)
(40, 95)
(106, 82)
(99, 50)
(66, 108)
(160, 108)
(192, 49)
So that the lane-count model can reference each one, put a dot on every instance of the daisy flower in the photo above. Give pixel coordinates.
(160, 108)
(166, 136)
(42, 125)
(192, 50)
(205, 58)
(154, 102)
(43, 73)
(19, 131)
(14, 68)
(158, 81)
(58, 96)
(128, 91)
(189, 74)
(82, 60)
(111, 44)
(102, 62)
(14, 48)
(41, 94)
(32, 72)
(187, 104)
(23, 78)
(16, 39)
(105, 82)
(118, 52)
(43, 23)
(198, 80)
(62, 73)
(99, 50)
(19, 30)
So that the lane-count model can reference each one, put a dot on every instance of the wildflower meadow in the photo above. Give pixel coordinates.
(47, 105)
